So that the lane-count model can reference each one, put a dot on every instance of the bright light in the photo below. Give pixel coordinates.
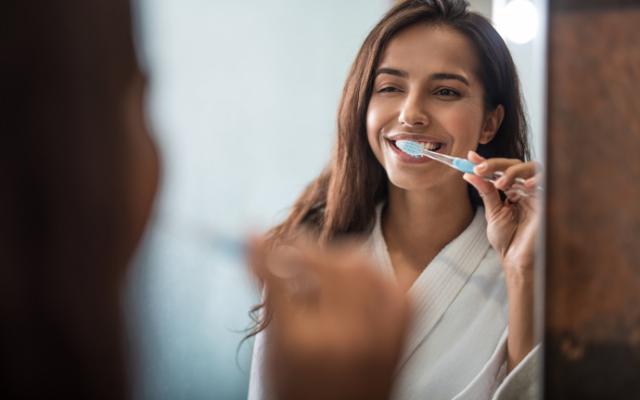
(518, 21)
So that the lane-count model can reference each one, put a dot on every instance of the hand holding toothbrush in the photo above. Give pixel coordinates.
(336, 326)
(512, 230)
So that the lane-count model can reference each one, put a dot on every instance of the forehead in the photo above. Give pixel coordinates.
(427, 48)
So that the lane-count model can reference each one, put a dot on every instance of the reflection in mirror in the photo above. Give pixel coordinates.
(243, 100)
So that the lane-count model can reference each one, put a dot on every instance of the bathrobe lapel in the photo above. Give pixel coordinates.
(441, 281)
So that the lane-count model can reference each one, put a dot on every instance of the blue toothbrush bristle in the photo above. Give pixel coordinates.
(410, 147)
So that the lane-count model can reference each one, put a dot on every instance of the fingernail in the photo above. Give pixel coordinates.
(481, 167)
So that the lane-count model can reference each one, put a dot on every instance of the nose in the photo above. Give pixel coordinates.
(413, 112)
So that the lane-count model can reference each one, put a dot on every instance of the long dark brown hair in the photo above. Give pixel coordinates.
(342, 200)
(63, 167)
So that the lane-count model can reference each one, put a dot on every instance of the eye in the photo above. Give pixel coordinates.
(388, 89)
(446, 92)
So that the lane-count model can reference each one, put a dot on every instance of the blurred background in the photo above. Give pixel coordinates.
(242, 101)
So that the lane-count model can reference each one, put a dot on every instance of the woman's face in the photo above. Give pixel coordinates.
(426, 89)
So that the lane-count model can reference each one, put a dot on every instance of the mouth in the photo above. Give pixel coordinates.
(431, 146)
(429, 142)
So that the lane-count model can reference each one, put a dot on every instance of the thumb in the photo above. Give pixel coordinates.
(275, 288)
(489, 194)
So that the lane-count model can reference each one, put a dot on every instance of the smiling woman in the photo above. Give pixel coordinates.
(462, 249)
(426, 90)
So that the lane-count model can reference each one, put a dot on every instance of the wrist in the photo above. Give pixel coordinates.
(520, 277)
(520, 291)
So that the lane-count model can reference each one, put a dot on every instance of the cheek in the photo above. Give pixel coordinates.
(464, 124)
(143, 185)
(373, 132)
(145, 170)
(375, 123)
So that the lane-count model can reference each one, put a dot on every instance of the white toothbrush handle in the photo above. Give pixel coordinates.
(520, 181)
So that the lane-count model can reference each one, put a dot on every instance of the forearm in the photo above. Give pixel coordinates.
(521, 336)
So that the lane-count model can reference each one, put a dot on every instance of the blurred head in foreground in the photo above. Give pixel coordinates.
(78, 174)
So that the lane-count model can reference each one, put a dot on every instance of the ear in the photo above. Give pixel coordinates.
(492, 123)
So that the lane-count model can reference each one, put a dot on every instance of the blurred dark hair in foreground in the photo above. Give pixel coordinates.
(63, 247)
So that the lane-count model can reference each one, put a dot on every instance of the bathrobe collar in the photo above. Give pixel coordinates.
(441, 281)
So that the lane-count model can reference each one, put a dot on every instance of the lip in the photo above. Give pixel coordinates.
(416, 137)
(421, 138)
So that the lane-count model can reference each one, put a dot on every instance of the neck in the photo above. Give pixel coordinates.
(418, 224)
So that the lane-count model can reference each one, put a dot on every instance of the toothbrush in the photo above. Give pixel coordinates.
(416, 149)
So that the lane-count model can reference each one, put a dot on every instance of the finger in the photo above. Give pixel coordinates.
(324, 277)
(491, 165)
(256, 257)
(285, 261)
(475, 157)
(344, 274)
(488, 193)
(336, 267)
(534, 181)
(259, 258)
(513, 196)
(515, 173)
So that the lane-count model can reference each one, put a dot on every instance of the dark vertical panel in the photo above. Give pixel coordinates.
(593, 212)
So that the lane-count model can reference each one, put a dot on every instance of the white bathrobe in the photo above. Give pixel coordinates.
(456, 346)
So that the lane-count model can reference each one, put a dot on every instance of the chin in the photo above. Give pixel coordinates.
(425, 180)
(409, 183)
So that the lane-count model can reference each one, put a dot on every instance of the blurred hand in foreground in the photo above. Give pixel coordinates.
(336, 326)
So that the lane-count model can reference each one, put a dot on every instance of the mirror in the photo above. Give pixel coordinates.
(243, 99)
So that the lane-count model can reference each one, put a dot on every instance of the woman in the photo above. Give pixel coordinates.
(432, 72)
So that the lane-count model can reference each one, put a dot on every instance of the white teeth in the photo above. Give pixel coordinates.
(431, 146)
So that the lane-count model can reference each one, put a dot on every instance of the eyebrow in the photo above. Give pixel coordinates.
(392, 71)
(438, 76)
(443, 76)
